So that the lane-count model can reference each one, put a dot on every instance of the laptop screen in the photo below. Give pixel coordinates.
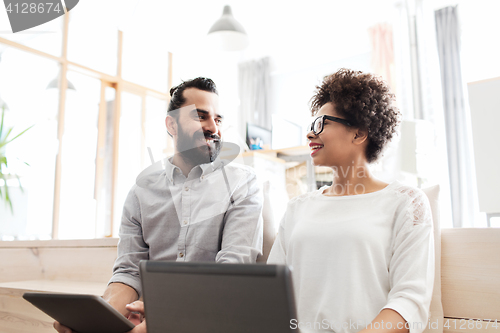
(210, 297)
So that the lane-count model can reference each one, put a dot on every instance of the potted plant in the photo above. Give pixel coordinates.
(4, 140)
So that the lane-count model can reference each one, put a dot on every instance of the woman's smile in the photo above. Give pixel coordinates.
(315, 147)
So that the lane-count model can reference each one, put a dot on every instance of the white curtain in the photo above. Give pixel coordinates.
(458, 134)
(418, 90)
(253, 87)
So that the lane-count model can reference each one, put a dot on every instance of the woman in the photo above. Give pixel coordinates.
(361, 250)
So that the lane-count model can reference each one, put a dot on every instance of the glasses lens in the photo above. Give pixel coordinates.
(318, 123)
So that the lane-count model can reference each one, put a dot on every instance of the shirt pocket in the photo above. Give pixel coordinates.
(208, 233)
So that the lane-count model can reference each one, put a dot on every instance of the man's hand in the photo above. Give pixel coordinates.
(136, 317)
(118, 295)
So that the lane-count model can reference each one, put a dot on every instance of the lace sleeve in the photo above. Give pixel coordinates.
(417, 206)
(411, 268)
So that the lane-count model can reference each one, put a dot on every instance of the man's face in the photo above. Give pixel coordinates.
(198, 138)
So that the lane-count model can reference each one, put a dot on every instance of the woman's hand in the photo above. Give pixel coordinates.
(136, 316)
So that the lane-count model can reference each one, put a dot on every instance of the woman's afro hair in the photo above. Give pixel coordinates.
(364, 100)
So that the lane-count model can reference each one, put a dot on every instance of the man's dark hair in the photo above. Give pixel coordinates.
(176, 93)
(365, 101)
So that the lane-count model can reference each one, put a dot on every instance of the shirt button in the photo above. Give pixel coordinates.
(186, 189)
(184, 222)
(202, 177)
(181, 254)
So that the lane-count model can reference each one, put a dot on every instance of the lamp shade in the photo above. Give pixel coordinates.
(55, 84)
(228, 34)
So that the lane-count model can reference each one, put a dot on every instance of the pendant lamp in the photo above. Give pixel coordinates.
(55, 84)
(227, 34)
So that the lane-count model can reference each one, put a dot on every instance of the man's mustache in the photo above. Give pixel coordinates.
(207, 135)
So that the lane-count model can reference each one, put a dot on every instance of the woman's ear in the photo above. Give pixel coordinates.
(360, 136)
(171, 124)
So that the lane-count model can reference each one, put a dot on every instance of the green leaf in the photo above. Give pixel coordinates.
(16, 135)
(7, 199)
(20, 185)
(8, 132)
(4, 141)
(5, 194)
(1, 125)
(23, 161)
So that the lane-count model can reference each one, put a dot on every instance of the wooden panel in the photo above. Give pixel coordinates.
(470, 326)
(88, 264)
(18, 288)
(470, 273)
(20, 264)
(89, 260)
(83, 266)
(101, 242)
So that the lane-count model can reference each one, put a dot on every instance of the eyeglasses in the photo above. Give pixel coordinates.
(318, 123)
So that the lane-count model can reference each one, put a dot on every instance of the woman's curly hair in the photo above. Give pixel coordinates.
(364, 100)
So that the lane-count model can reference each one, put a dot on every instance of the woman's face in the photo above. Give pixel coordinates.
(334, 145)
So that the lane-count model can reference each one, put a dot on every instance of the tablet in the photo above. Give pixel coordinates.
(81, 313)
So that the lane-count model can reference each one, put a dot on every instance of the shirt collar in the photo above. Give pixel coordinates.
(207, 168)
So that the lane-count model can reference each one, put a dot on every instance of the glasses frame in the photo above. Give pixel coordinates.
(332, 118)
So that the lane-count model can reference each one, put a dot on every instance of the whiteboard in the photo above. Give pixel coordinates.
(484, 101)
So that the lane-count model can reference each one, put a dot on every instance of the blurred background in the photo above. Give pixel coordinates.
(92, 87)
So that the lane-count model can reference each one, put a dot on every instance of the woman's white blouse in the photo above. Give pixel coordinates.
(352, 256)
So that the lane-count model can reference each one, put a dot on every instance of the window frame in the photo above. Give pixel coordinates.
(114, 81)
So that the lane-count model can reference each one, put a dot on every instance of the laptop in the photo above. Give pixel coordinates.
(218, 298)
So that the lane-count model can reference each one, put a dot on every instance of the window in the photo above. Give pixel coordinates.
(91, 127)
(30, 103)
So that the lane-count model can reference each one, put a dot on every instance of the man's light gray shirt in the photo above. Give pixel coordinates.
(215, 214)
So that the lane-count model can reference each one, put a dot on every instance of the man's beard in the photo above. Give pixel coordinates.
(194, 150)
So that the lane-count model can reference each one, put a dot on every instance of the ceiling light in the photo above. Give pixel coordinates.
(228, 34)
(55, 84)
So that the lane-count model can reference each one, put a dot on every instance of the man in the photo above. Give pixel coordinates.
(195, 208)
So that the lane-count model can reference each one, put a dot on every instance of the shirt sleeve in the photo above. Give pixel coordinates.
(277, 256)
(411, 268)
(243, 225)
(131, 246)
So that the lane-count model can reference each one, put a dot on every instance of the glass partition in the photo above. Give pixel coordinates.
(77, 206)
(46, 37)
(131, 155)
(24, 78)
